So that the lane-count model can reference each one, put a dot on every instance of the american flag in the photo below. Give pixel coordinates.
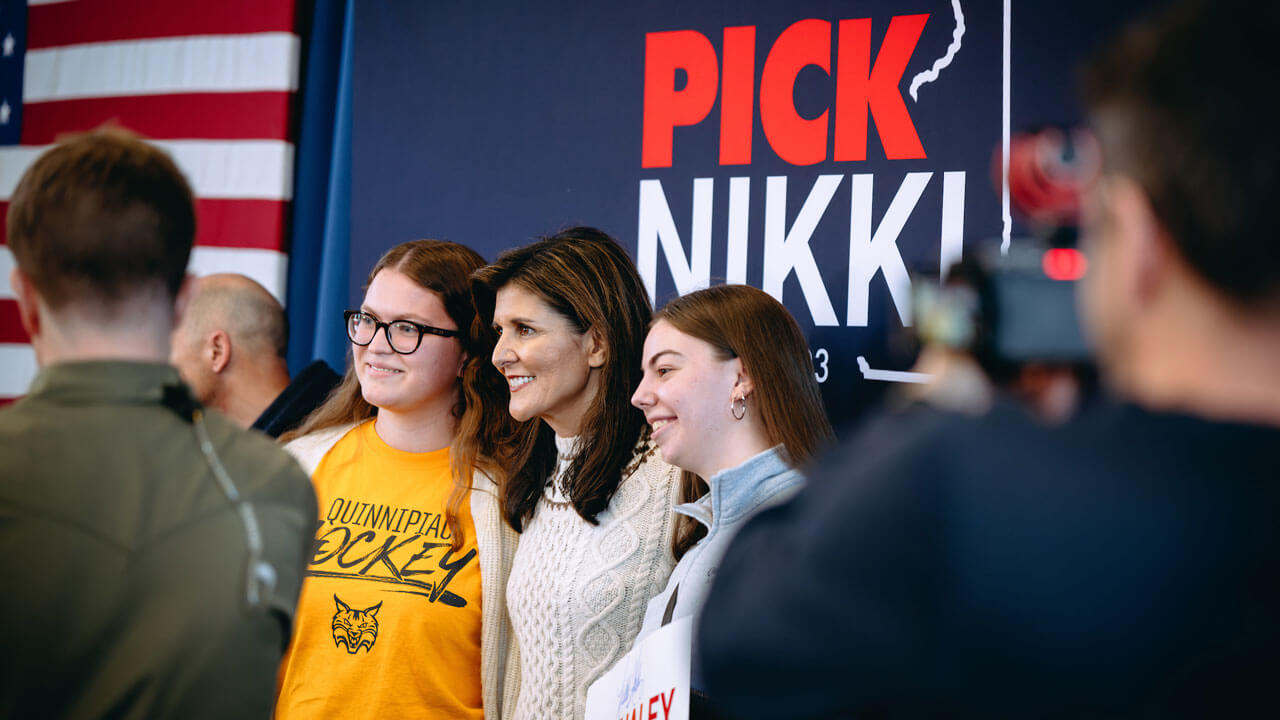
(211, 81)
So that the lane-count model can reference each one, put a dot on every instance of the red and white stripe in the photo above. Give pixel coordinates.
(211, 81)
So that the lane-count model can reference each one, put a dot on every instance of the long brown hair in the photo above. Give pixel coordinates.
(740, 321)
(483, 424)
(584, 275)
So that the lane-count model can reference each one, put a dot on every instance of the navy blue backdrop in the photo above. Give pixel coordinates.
(492, 125)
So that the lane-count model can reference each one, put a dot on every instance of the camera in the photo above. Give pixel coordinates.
(1008, 308)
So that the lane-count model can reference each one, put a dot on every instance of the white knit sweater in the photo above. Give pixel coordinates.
(577, 592)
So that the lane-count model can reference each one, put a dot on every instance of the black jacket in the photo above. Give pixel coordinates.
(1123, 565)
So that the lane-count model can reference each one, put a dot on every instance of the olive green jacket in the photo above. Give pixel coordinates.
(123, 562)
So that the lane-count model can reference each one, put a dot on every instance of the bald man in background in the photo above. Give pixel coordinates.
(230, 348)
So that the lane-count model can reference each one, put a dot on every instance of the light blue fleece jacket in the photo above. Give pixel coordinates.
(736, 494)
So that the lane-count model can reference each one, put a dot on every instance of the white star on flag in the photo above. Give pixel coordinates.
(4, 113)
(8, 45)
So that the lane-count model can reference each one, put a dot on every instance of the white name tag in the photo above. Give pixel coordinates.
(649, 683)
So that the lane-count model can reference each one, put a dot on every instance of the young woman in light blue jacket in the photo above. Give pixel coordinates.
(730, 395)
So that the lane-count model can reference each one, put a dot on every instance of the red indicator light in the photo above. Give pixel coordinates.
(1064, 264)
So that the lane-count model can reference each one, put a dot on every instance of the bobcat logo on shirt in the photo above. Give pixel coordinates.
(355, 628)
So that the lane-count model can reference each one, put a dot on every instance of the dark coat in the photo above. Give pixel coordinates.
(124, 563)
(1123, 565)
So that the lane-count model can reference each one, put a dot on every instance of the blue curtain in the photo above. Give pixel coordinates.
(320, 252)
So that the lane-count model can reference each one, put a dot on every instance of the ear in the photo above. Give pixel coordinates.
(462, 362)
(597, 349)
(373, 611)
(219, 348)
(28, 302)
(743, 385)
(1145, 244)
(342, 607)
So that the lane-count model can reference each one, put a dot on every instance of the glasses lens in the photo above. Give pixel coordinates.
(404, 336)
(360, 328)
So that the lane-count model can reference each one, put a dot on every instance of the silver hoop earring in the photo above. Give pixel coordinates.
(734, 408)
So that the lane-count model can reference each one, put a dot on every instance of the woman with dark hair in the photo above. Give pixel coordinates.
(730, 394)
(402, 612)
(585, 488)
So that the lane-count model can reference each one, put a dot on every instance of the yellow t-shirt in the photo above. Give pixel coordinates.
(388, 622)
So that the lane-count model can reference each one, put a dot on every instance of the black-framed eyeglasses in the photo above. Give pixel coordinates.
(404, 336)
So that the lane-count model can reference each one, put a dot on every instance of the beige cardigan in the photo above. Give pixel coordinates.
(495, 544)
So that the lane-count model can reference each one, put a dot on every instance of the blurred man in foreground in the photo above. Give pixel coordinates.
(1120, 565)
(230, 348)
(151, 554)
